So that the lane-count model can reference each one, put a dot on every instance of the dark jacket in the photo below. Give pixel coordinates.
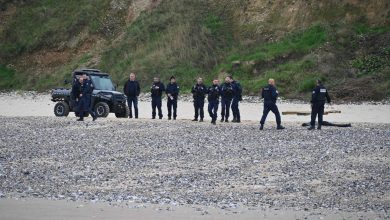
(132, 88)
(214, 92)
(157, 90)
(173, 89)
(269, 94)
(199, 91)
(320, 95)
(237, 90)
(86, 89)
(227, 91)
(76, 90)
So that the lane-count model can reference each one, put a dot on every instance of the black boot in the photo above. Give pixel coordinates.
(94, 117)
(319, 128)
(234, 120)
(226, 120)
(280, 127)
(201, 120)
(311, 128)
(169, 118)
(261, 127)
(80, 119)
(222, 120)
(174, 118)
(195, 119)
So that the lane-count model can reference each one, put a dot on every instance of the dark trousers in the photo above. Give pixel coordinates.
(274, 109)
(317, 109)
(133, 101)
(198, 107)
(225, 108)
(156, 103)
(235, 109)
(84, 106)
(172, 104)
(213, 109)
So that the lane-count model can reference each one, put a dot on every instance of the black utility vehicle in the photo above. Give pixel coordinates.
(105, 98)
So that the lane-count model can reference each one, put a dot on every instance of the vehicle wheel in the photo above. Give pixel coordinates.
(61, 109)
(122, 111)
(102, 109)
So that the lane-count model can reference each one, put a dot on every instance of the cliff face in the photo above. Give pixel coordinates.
(282, 16)
(290, 14)
(344, 42)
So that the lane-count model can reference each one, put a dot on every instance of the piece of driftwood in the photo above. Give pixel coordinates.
(325, 123)
(301, 113)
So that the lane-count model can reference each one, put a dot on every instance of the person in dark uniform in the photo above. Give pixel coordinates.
(199, 91)
(214, 91)
(132, 90)
(172, 92)
(237, 97)
(157, 90)
(270, 95)
(227, 93)
(76, 89)
(318, 98)
(85, 89)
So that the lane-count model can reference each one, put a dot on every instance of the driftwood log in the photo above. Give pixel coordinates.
(325, 123)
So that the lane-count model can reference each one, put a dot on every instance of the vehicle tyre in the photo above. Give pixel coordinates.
(102, 109)
(122, 111)
(61, 109)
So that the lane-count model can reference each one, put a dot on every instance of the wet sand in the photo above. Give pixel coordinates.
(41, 209)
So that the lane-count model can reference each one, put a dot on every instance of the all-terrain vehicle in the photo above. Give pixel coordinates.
(105, 98)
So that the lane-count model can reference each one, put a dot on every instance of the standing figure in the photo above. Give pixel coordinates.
(132, 90)
(270, 95)
(227, 93)
(172, 92)
(237, 97)
(318, 98)
(214, 91)
(84, 91)
(157, 90)
(199, 91)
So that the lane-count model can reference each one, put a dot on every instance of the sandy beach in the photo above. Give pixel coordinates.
(32, 104)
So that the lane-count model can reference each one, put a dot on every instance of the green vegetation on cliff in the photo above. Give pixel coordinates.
(41, 42)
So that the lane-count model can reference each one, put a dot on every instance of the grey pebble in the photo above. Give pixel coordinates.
(185, 163)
